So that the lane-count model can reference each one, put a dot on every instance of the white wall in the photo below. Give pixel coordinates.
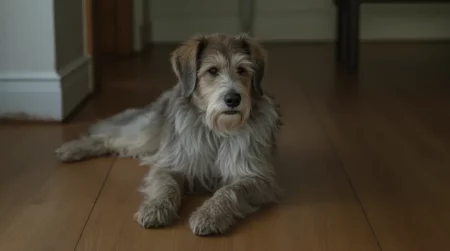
(69, 30)
(72, 64)
(141, 24)
(19, 26)
(43, 70)
(138, 21)
(174, 20)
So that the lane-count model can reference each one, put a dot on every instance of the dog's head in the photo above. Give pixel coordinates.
(221, 75)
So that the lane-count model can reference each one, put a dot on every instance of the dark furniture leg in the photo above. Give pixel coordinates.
(347, 29)
(353, 38)
(338, 48)
(342, 31)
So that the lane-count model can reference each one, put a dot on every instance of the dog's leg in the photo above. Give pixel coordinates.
(162, 192)
(219, 214)
(83, 148)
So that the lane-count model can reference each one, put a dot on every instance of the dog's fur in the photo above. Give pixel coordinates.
(193, 141)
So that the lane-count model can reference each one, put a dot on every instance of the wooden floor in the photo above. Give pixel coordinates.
(365, 161)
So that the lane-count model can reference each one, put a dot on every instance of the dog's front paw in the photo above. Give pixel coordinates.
(153, 214)
(210, 221)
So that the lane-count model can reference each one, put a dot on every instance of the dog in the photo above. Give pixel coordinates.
(214, 131)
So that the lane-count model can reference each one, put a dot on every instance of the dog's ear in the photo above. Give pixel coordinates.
(259, 57)
(185, 62)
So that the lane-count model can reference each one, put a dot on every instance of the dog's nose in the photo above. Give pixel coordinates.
(232, 99)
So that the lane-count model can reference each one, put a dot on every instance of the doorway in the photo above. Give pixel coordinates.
(108, 33)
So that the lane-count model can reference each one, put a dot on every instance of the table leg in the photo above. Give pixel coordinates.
(342, 32)
(353, 43)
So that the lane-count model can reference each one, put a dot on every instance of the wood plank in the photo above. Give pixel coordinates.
(43, 204)
(388, 142)
(320, 211)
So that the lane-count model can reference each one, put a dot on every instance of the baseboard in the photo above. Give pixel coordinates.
(76, 85)
(48, 96)
(22, 99)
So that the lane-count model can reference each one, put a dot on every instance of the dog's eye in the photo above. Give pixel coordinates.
(240, 70)
(213, 70)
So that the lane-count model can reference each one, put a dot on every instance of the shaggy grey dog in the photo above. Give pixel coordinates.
(214, 131)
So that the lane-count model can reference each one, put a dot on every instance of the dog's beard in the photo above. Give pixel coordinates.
(225, 123)
(225, 120)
